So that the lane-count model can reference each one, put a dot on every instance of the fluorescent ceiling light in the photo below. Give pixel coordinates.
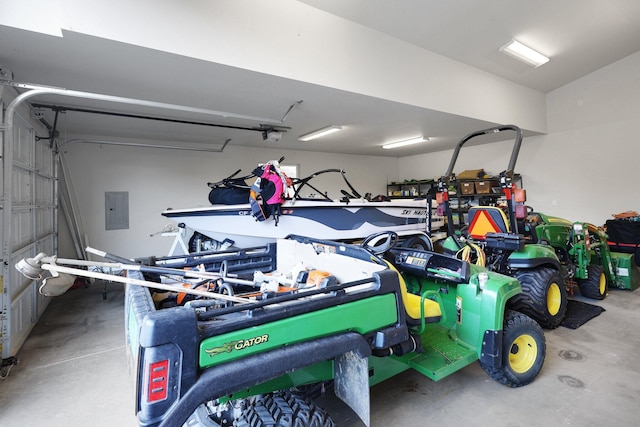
(524, 53)
(405, 142)
(319, 133)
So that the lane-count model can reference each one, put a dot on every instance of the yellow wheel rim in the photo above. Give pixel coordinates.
(554, 299)
(523, 353)
(603, 284)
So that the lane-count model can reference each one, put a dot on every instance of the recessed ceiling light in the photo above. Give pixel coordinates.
(524, 53)
(405, 142)
(320, 132)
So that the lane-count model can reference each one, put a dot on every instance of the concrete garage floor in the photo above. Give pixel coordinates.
(73, 371)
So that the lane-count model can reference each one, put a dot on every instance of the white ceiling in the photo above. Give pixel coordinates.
(580, 36)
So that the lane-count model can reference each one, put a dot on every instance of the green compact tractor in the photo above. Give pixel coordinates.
(547, 255)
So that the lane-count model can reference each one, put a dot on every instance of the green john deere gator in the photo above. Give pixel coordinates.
(317, 313)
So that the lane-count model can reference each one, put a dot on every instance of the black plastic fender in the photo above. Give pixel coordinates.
(253, 370)
(522, 264)
(534, 255)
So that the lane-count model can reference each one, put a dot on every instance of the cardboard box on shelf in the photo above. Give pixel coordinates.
(484, 187)
(467, 188)
(471, 174)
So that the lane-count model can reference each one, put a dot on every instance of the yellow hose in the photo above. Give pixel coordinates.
(466, 252)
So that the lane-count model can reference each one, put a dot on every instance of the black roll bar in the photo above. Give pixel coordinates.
(514, 152)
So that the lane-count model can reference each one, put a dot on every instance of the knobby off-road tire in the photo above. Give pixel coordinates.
(283, 409)
(595, 286)
(523, 351)
(543, 297)
(419, 243)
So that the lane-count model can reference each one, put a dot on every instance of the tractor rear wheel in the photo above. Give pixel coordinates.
(595, 285)
(523, 351)
(283, 409)
(543, 297)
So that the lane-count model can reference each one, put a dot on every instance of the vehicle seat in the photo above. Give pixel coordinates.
(411, 302)
(528, 226)
(487, 219)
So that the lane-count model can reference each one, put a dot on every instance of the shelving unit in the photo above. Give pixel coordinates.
(409, 189)
(476, 192)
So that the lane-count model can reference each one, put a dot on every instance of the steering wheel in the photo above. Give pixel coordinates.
(381, 242)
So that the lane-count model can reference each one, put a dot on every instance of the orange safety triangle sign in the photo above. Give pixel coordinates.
(482, 224)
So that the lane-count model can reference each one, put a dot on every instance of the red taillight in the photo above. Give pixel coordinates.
(158, 381)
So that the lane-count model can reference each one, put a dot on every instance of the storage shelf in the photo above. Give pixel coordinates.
(482, 195)
(463, 199)
(409, 189)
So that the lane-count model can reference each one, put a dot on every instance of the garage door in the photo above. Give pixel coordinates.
(28, 226)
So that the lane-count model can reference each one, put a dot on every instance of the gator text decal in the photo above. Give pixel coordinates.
(228, 347)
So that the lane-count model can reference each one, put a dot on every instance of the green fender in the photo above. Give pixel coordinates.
(534, 255)
(554, 220)
(555, 231)
(481, 306)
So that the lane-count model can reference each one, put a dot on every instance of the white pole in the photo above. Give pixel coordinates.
(113, 278)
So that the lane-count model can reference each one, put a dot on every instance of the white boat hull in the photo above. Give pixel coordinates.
(317, 219)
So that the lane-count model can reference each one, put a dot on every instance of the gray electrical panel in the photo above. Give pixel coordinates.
(116, 210)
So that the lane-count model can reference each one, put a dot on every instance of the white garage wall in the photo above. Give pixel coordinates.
(157, 179)
(585, 168)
